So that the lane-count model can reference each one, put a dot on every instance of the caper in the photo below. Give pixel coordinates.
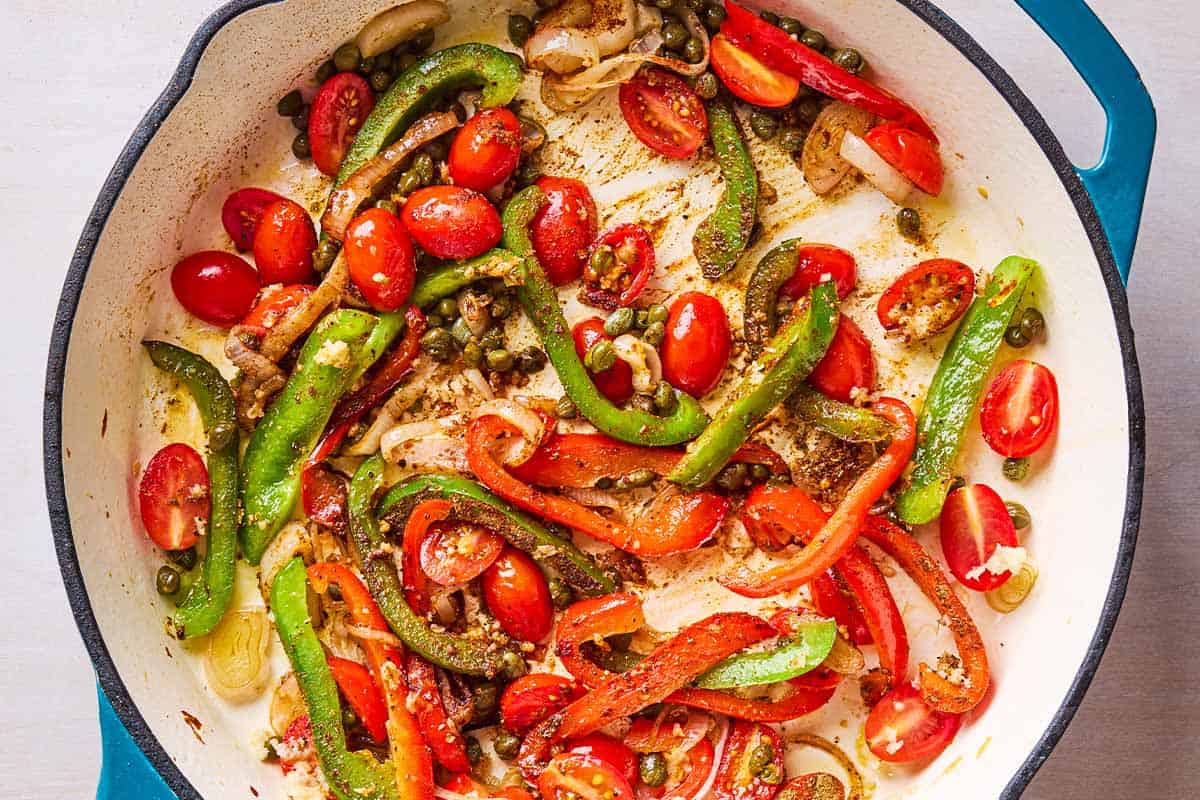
(300, 121)
(813, 39)
(221, 435)
(300, 148)
(184, 558)
(1015, 337)
(485, 698)
(769, 16)
(733, 477)
(657, 313)
(409, 182)
(674, 35)
(791, 26)
(664, 5)
(619, 321)
(387, 204)
(474, 751)
(652, 769)
(565, 408)
(760, 472)
(167, 581)
(642, 319)
(792, 140)
(605, 483)
(770, 774)
(472, 354)
(501, 307)
(707, 86)
(560, 593)
(694, 5)
(290, 104)
(499, 360)
(438, 344)
(1032, 323)
(406, 61)
(461, 332)
(956, 483)
(530, 360)
(366, 66)
(447, 307)
(654, 334)
(527, 173)
(492, 339)
(381, 79)
(603, 259)
(349, 718)
(643, 402)
(421, 42)
(809, 108)
(327, 250)
(693, 50)
(512, 666)
(600, 356)
(764, 125)
(714, 16)
(506, 744)
(664, 398)
(1016, 469)
(422, 164)
(434, 321)
(347, 57)
(849, 59)
(761, 756)
(637, 479)
(520, 28)
(1019, 515)
(908, 222)
(325, 71)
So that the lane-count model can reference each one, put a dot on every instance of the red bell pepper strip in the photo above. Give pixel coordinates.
(416, 584)
(463, 784)
(779, 51)
(806, 694)
(592, 619)
(837, 536)
(440, 732)
(942, 694)
(674, 524)
(832, 598)
(324, 497)
(354, 681)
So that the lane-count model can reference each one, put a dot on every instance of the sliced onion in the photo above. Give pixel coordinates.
(844, 658)
(400, 401)
(365, 634)
(882, 175)
(821, 160)
(532, 426)
(561, 50)
(612, 23)
(642, 359)
(857, 790)
(236, 664)
(285, 333)
(287, 703)
(393, 441)
(697, 728)
(594, 498)
(474, 312)
(292, 541)
(476, 379)
(399, 24)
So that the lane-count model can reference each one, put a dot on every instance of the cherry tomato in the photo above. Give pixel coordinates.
(616, 382)
(564, 228)
(215, 286)
(902, 727)
(813, 263)
(531, 699)
(633, 264)
(380, 257)
(284, 244)
(516, 593)
(908, 151)
(928, 298)
(275, 304)
(750, 79)
(848, 363)
(356, 685)
(576, 776)
(1020, 409)
(456, 552)
(174, 497)
(696, 349)
(486, 151)
(686, 785)
(831, 601)
(739, 777)
(974, 523)
(338, 111)
(664, 113)
(242, 211)
(611, 751)
(451, 222)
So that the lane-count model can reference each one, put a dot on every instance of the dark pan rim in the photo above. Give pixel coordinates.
(114, 686)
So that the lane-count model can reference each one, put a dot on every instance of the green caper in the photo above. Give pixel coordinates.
(421, 42)
(512, 666)
(347, 57)
(791, 26)
(770, 774)
(792, 140)
(642, 319)
(813, 39)
(422, 164)
(1015, 337)
(769, 17)
(652, 769)
(560, 593)
(530, 360)
(664, 399)
(714, 16)
(290, 104)
(184, 558)
(300, 121)
(447, 307)
(761, 756)
(499, 360)
(760, 472)
(485, 698)
(605, 483)
(694, 5)
(381, 79)
(956, 483)
(520, 28)
(461, 332)
(1019, 515)
(167, 581)
(707, 86)
(908, 222)
(527, 173)
(409, 182)
(849, 59)
(809, 108)
(1016, 469)
(733, 477)
(325, 71)
(602, 260)
(664, 5)
(434, 321)
(501, 307)
(565, 408)
(657, 313)
(406, 61)
(637, 479)
(387, 204)
(506, 744)
(600, 356)
(474, 751)
(366, 66)
(222, 434)
(327, 250)
(674, 35)
(300, 148)
(349, 718)
(1032, 323)
(619, 321)
(693, 50)
(654, 334)
(438, 344)
(764, 125)
(492, 339)
(472, 354)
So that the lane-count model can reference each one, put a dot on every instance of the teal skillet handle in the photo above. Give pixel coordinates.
(126, 772)
(1117, 183)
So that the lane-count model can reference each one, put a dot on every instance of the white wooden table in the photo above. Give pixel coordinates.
(79, 74)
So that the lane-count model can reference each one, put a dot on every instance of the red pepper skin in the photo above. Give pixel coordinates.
(779, 51)
(416, 584)
(439, 732)
(324, 497)
(364, 696)
(530, 699)
(807, 694)
(588, 619)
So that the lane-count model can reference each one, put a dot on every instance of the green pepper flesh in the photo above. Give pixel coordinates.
(722, 238)
(802, 651)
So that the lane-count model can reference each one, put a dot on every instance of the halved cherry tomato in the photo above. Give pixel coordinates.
(486, 151)
(216, 286)
(908, 151)
(816, 261)
(284, 244)
(338, 111)
(576, 776)
(616, 382)
(354, 681)
(832, 601)
(611, 751)
(530, 699)
(174, 497)
(738, 777)
(750, 79)
(658, 734)
(848, 364)
(456, 552)
(564, 228)
(902, 727)
(242, 211)
(691, 776)
(1020, 409)
(633, 265)
(380, 257)
(275, 304)
(451, 222)
(416, 530)
(696, 348)
(974, 523)
(518, 596)
(664, 113)
(928, 298)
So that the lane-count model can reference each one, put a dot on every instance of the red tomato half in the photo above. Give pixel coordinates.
(696, 348)
(664, 113)
(609, 750)
(338, 111)
(174, 497)
(816, 261)
(380, 257)
(911, 153)
(633, 251)
(928, 298)
(486, 151)
(848, 363)
(284, 244)
(242, 211)
(736, 778)
(564, 228)
(456, 552)
(974, 523)
(516, 593)
(616, 382)
(451, 222)
(750, 79)
(831, 601)
(575, 776)
(530, 699)
(275, 304)
(902, 727)
(692, 775)
(1020, 409)
(216, 286)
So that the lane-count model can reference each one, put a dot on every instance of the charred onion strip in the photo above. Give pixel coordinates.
(280, 338)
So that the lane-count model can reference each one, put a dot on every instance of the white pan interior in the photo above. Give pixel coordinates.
(1002, 197)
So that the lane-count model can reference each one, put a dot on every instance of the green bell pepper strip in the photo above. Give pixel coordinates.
(787, 360)
(540, 302)
(208, 598)
(803, 651)
(722, 238)
(846, 422)
(289, 430)
(473, 503)
(387, 329)
(448, 279)
(455, 653)
(352, 776)
(954, 392)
